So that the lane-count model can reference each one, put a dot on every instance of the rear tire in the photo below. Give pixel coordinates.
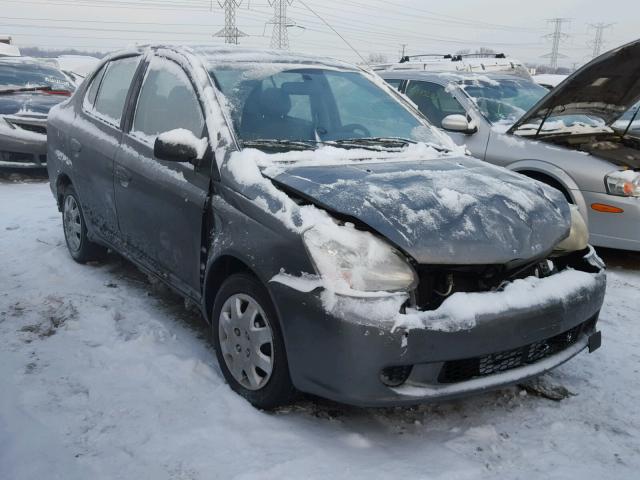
(81, 249)
(249, 343)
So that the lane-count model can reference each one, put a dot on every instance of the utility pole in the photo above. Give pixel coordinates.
(404, 49)
(598, 41)
(230, 31)
(556, 38)
(280, 37)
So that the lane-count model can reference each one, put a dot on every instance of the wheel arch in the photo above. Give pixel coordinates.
(556, 177)
(217, 272)
(62, 182)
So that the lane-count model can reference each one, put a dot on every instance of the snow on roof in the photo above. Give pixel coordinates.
(548, 79)
(9, 50)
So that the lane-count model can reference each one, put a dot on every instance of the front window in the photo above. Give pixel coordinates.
(434, 101)
(16, 75)
(503, 101)
(167, 101)
(316, 106)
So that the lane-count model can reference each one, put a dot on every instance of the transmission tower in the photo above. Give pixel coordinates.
(280, 36)
(230, 31)
(556, 38)
(598, 41)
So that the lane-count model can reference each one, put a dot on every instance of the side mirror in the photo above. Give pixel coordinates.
(458, 123)
(179, 145)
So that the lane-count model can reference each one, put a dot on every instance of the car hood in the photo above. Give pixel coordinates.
(606, 87)
(446, 211)
(29, 103)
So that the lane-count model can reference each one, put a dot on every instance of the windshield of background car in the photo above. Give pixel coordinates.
(632, 115)
(274, 102)
(503, 101)
(28, 75)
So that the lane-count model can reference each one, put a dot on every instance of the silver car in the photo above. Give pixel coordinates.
(582, 138)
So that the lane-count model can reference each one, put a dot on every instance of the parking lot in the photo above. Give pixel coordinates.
(106, 375)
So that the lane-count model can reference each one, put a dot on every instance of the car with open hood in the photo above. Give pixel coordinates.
(28, 90)
(581, 138)
(335, 241)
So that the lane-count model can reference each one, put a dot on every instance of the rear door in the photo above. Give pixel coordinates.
(160, 204)
(94, 141)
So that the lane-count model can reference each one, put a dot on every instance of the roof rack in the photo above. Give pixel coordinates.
(407, 58)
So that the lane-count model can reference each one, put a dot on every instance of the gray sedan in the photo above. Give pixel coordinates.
(582, 138)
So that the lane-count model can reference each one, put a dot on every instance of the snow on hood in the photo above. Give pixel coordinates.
(605, 88)
(440, 211)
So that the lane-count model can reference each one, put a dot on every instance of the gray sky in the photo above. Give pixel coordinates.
(371, 26)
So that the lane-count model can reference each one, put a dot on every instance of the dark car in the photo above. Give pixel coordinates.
(28, 90)
(336, 243)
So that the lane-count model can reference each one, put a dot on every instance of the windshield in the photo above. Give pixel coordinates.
(503, 101)
(21, 75)
(313, 105)
(632, 115)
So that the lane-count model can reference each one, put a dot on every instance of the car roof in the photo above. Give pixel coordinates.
(226, 54)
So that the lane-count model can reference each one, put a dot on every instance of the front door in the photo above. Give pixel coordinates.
(436, 103)
(160, 204)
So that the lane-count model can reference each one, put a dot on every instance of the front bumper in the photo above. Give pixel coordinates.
(23, 142)
(614, 230)
(343, 357)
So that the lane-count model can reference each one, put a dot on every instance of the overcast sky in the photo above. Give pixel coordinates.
(371, 26)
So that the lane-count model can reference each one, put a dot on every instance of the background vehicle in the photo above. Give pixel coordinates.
(575, 139)
(470, 63)
(28, 89)
(337, 268)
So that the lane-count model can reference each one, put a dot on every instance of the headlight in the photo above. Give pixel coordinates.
(578, 238)
(353, 261)
(624, 183)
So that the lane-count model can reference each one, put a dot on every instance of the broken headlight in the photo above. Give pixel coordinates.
(353, 261)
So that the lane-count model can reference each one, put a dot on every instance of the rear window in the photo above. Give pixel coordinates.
(113, 90)
(21, 74)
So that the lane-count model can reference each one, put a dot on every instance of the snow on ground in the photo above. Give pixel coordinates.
(105, 377)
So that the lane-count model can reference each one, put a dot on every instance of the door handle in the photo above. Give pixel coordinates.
(75, 145)
(122, 175)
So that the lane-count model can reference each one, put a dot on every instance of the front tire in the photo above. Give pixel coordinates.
(249, 343)
(81, 249)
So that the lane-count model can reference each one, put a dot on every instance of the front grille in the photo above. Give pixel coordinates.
(32, 128)
(17, 157)
(467, 369)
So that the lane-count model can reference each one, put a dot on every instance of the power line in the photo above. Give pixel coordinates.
(556, 37)
(230, 32)
(598, 41)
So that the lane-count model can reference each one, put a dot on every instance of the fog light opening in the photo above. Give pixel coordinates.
(395, 376)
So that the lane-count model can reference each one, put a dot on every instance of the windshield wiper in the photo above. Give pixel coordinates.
(280, 144)
(372, 143)
(37, 88)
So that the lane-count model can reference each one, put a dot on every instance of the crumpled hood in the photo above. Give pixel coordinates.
(29, 103)
(446, 211)
(606, 87)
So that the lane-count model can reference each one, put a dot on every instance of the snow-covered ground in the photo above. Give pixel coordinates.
(104, 376)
